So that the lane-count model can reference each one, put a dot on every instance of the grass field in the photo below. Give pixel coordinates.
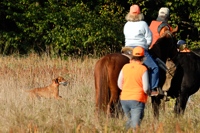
(75, 112)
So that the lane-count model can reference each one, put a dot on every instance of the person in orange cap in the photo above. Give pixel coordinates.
(182, 46)
(133, 80)
(137, 33)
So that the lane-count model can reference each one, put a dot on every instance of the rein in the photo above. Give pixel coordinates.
(171, 70)
(171, 58)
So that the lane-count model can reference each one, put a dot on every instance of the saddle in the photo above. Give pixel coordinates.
(169, 67)
(127, 51)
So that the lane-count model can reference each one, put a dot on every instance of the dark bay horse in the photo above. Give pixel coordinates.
(108, 67)
(185, 81)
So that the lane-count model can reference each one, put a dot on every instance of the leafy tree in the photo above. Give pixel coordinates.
(68, 27)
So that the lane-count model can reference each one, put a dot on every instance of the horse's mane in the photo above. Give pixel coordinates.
(164, 46)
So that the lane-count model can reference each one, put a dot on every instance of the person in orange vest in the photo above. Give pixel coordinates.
(159, 25)
(137, 33)
(182, 47)
(133, 80)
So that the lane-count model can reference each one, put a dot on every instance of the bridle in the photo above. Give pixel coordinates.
(170, 34)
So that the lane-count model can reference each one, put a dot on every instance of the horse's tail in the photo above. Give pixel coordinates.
(101, 85)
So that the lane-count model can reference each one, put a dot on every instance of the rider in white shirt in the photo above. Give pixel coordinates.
(137, 33)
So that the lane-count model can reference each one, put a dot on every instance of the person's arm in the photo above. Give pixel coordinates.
(148, 34)
(120, 80)
(145, 82)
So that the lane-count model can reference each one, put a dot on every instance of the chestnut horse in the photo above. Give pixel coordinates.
(108, 67)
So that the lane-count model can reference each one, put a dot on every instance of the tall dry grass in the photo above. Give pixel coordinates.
(75, 112)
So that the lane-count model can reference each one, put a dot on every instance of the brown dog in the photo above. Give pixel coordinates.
(51, 91)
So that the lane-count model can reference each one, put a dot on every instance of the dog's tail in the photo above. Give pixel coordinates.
(28, 90)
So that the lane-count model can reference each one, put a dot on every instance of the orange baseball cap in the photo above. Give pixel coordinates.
(134, 9)
(138, 51)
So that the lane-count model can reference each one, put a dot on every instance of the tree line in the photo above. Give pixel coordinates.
(82, 27)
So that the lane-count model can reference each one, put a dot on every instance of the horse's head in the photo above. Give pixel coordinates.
(165, 47)
(168, 33)
(188, 30)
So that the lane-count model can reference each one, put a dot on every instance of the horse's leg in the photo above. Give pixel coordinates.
(113, 72)
(156, 105)
(180, 104)
(114, 98)
(114, 93)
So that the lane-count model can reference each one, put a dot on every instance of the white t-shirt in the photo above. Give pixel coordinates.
(137, 34)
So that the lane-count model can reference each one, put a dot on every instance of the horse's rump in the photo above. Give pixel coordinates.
(101, 82)
(187, 75)
(106, 74)
(185, 81)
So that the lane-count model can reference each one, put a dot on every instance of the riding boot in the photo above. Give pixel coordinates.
(158, 91)
(161, 92)
(154, 93)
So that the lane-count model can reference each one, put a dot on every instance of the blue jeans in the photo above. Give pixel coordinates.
(153, 70)
(134, 111)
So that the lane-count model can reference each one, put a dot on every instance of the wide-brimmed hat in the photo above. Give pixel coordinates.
(134, 9)
(138, 51)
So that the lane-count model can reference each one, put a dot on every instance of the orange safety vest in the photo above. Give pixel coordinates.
(156, 29)
(185, 50)
(132, 87)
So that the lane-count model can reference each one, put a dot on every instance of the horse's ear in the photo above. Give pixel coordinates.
(175, 30)
(163, 31)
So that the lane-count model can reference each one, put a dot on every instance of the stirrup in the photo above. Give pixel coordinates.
(154, 93)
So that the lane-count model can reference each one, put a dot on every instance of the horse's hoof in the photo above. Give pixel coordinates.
(166, 99)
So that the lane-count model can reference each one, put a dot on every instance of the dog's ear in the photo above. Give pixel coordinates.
(55, 80)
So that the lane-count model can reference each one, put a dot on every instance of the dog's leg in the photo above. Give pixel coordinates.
(58, 97)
